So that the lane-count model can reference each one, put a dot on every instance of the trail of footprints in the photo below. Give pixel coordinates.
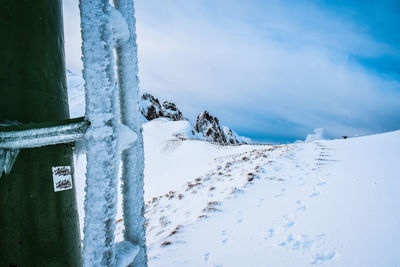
(281, 232)
(164, 227)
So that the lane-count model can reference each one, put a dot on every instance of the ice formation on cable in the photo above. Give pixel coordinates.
(101, 137)
(132, 158)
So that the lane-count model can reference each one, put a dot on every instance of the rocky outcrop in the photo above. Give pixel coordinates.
(210, 128)
(151, 109)
(171, 111)
(232, 137)
(207, 127)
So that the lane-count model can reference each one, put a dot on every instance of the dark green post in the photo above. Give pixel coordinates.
(38, 226)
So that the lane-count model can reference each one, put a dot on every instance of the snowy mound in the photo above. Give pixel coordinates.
(166, 130)
(170, 161)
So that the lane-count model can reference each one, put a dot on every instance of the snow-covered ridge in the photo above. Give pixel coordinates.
(328, 203)
(206, 127)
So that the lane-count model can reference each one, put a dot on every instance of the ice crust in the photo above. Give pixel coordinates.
(101, 137)
(132, 158)
(125, 252)
(42, 136)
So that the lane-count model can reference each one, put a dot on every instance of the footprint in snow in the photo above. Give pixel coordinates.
(283, 190)
(206, 256)
(289, 224)
(314, 194)
(287, 241)
(269, 234)
(322, 257)
(301, 208)
(260, 203)
(301, 205)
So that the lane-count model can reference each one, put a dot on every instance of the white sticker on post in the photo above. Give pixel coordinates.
(62, 178)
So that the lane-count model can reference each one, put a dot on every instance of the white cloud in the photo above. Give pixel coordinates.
(317, 135)
(273, 69)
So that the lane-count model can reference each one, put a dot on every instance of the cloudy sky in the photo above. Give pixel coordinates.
(272, 70)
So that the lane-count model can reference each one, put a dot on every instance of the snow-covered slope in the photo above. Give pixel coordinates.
(171, 162)
(333, 203)
(76, 95)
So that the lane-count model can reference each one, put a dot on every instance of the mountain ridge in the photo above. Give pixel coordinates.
(206, 127)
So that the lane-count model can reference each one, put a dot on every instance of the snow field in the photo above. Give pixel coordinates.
(328, 203)
(332, 203)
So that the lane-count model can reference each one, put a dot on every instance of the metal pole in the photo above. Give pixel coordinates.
(38, 224)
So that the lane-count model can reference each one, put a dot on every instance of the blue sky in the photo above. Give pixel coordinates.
(271, 70)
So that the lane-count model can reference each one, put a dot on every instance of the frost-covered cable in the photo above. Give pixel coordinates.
(132, 158)
(42, 136)
(101, 137)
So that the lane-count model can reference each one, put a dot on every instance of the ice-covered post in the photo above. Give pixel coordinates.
(132, 158)
(101, 137)
(38, 215)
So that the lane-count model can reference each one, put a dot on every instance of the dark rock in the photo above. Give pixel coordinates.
(152, 109)
(171, 111)
(231, 139)
(210, 128)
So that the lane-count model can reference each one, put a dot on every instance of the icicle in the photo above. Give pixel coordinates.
(133, 158)
(101, 137)
(7, 159)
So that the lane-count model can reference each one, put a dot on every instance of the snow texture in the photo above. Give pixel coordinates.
(119, 27)
(132, 158)
(101, 137)
(328, 203)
